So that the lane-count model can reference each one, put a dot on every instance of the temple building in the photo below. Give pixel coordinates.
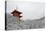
(16, 13)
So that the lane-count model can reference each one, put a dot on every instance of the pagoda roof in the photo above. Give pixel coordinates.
(15, 11)
(20, 16)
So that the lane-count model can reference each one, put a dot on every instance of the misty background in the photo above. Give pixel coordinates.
(12, 23)
(30, 10)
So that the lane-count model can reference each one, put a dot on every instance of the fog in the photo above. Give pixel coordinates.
(30, 10)
(14, 24)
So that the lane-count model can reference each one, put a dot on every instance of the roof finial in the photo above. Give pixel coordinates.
(16, 7)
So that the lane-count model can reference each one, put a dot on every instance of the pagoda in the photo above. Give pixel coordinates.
(16, 13)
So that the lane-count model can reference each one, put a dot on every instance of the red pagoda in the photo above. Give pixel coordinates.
(16, 13)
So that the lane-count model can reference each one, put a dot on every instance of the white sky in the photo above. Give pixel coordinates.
(31, 9)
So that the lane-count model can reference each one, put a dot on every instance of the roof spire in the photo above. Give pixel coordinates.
(16, 7)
